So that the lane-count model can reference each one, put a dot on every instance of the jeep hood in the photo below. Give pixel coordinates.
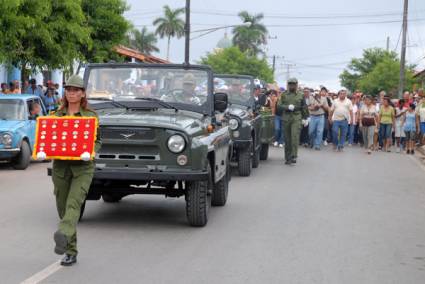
(10, 125)
(238, 110)
(162, 118)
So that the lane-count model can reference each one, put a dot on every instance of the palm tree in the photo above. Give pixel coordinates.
(143, 40)
(170, 25)
(250, 37)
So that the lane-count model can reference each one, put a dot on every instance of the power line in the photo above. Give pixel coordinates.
(291, 16)
(327, 24)
(280, 15)
(342, 24)
(338, 52)
(398, 40)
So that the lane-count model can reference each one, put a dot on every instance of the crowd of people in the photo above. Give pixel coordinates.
(377, 123)
(49, 93)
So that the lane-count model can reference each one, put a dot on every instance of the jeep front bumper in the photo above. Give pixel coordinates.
(147, 175)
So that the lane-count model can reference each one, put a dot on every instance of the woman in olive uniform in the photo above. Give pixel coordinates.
(72, 179)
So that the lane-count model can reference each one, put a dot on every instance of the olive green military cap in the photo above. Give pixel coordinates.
(75, 81)
(292, 81)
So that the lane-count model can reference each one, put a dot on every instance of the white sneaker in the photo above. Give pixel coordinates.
(275, 144)
(280, 145)
(398, 150)
(325, 143)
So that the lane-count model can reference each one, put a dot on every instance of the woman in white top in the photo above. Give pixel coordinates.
(400, 110)
(368, 122)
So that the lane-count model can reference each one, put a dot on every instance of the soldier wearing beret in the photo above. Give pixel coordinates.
(72, 179)
(294, 112)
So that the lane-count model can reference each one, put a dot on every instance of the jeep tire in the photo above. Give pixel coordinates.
(22, 161)
(244, 162)
(264, 152)
(198, 201)
(111, 198)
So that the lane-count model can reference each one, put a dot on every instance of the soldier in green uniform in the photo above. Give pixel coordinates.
(235, 92)
(72, 179)
(294, 111)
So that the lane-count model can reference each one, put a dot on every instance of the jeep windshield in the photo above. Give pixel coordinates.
(141, 87)
(11, 109)
(238, 90)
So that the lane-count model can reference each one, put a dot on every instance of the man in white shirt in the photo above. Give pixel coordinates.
(341, 113)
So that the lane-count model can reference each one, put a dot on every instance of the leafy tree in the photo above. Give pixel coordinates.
(233, 61)
(170, 25)
(108, 28)
(252, 35)
(143, 40)
(359, 67)
(385, 76)
(42, 33)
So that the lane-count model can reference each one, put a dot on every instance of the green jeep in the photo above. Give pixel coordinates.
(160, 134)
(244, 119)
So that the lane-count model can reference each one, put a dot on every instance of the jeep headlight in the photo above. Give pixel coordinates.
(6, 139)
(233, 124)
(176, 143)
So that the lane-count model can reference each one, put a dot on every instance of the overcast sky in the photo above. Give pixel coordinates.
(307, 35)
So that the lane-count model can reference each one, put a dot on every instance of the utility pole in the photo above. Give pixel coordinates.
(403, 51)
(388, 43)
(288, 70)
(274, 63)
(187, 34)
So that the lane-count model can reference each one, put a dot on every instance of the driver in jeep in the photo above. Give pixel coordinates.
(236, 91)
(189, 85)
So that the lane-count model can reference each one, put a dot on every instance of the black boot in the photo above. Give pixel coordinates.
(68, 260)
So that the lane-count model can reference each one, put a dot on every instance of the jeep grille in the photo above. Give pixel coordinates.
(127, 133)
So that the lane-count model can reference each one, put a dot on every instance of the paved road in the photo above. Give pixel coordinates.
(332, 218)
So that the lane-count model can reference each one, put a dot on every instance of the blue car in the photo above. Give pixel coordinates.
(17, 128)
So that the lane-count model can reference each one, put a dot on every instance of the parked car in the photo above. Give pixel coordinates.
(17, 129)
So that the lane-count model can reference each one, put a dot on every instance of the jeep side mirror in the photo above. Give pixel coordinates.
(220, 102)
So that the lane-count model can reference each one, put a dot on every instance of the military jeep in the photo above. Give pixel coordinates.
(160, 135)
(244, 120)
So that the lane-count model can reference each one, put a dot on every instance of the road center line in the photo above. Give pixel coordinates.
(43, 274)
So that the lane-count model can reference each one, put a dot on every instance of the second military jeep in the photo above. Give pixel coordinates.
(244, 119)
(160, 135)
